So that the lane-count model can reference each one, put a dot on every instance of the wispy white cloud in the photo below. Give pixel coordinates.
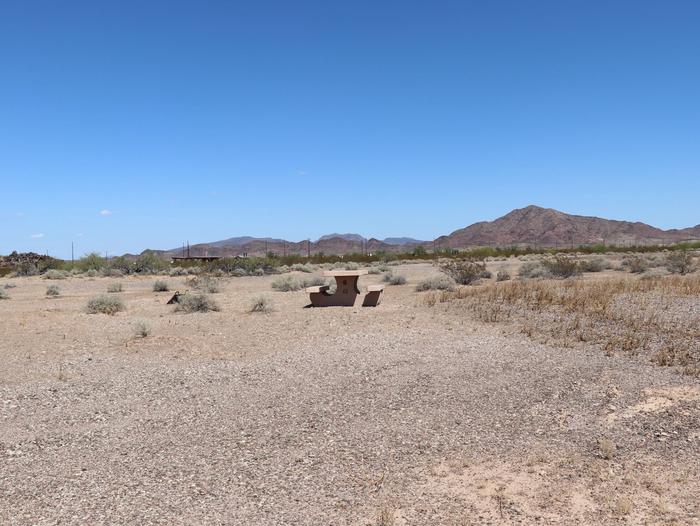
(105, 212)
(36, 236)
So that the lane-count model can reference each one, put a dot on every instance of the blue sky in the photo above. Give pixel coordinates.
(126, 125)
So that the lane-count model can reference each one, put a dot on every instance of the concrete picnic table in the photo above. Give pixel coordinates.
(346, 291)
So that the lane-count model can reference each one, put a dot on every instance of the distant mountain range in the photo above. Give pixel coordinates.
(532, 225)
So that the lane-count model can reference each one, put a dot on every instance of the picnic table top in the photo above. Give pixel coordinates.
(345, 273)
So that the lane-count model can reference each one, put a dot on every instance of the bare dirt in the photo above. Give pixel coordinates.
(402, 414)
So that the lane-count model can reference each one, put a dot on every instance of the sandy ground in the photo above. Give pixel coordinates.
(402, 414)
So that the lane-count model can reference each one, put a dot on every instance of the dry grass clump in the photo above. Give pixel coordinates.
(104, 304)
(635, 265)
(114, 287)
(161, 286)
(593, 265)
(196, 303)
(607, 448)
(286, 283)
(142, 329)
(261, 304)
(397, 279)
(4, 295)
(533, 270)
(300, 267)
(53, 291)
(654, 316)
(436, 283)
(561, 267)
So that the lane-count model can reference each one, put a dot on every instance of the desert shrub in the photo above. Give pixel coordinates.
(53, 290)
(56, 274)
(397, 279)
(261, 304)
(204, 284)
(258, 272)
(351, 266)
(112, 272)
(286, 283)
(161, 286)
(149, 263)
(300, 267)
(142, 329)
(4, 295)
(383, 267)
(533, 269)
(91, 273)
(561, 267)
(92, 261)
(114, 287)
(313, 281)
(635, 265)
(464, 272)
(593, 265)
(10, 286)
(373, 270)
(679, 262)
(387, 276)
(178, 271)
(196, 303)
(105, 304)
(239, 272)
(607, 448)
(436, 283)
(502, 275)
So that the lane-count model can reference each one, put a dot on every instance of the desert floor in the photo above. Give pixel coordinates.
(401, 414)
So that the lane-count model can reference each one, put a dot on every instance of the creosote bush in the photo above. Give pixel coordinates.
(561, 267)
(196, 303)
(286, 283)
(636, 264)
(142, 329)
(502, 275)
(679, 262)
(160, 286)
(53, 291)
(105, 305)
(464, 272)
(261, 304)
(397, 279)
(532, 270)
(56, 274)
(593, 265)
(114, 287)
(436, 283)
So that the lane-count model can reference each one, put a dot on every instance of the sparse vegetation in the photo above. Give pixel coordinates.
(56, 274)
(436, 283)
(114, 287)
(532, 270)
(502, 275)
(142, 329)
(636, 264)
(464, 272)
(607, 448)
(105, 305)
(161, 286)
(561, 267)
(286, 283)
(397, 279)
(593, 265)
(53, 291)
(204, 284)
(680, 262)
(196, 303)
(261, 304)
(4, 295)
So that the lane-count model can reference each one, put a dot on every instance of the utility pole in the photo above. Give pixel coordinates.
(308, 248)
(72, 254)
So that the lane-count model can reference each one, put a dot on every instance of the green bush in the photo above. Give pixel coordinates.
(105, 304)
(196, 303)
(436, 283)
(161, 286)
(53, 291)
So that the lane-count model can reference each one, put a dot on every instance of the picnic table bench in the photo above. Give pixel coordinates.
(346, 291)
